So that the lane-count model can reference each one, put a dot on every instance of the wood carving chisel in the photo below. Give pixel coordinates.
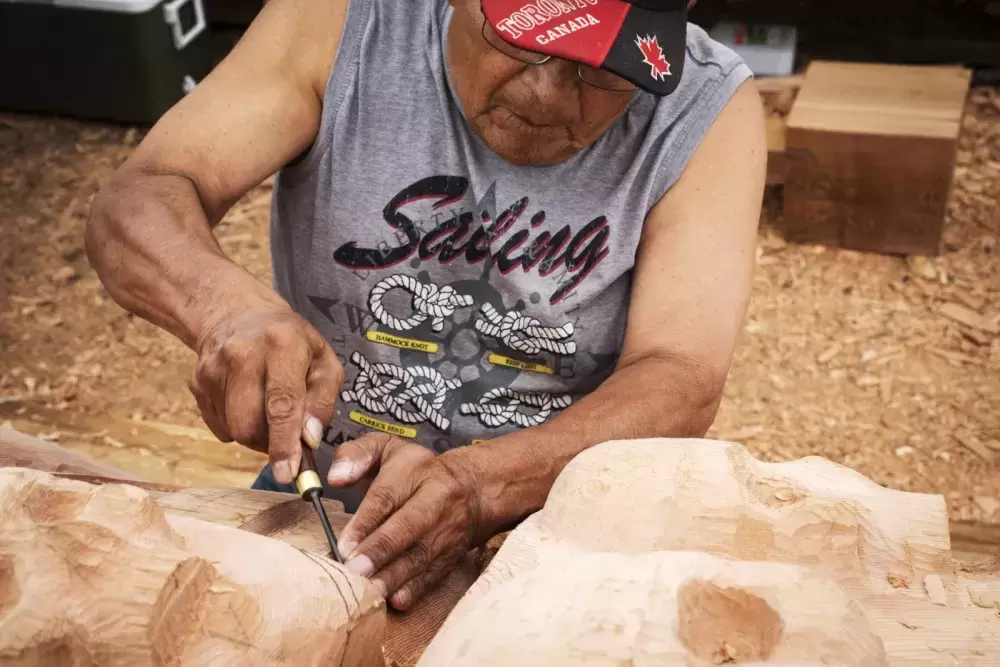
(310, 487)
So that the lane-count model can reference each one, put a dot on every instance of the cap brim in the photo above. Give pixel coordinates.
(644, 47)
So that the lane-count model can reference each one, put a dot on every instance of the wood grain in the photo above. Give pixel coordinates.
(100, 574)
(722, 558)
(279, 516)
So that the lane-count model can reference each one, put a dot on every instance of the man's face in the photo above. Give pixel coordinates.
(528, 114)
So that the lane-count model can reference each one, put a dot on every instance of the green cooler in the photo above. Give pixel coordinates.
(118, 60)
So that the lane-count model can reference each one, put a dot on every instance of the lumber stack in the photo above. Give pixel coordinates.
(870, 155)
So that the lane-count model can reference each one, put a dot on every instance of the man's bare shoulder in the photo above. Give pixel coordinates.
(257, 110)
(311, 29)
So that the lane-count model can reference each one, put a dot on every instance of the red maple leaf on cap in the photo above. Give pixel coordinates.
(652, 55)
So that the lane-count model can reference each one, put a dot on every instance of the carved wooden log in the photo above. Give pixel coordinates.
(692, 552)
(275, 515)
(294, 522)
(102, 575)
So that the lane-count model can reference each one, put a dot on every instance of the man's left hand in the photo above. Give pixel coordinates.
(418, 519)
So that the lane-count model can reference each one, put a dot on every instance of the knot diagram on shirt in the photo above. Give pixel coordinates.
(501, 406)
(455, 344)
(429, 302)
(450, 348)
(525, 334)
(389, 389)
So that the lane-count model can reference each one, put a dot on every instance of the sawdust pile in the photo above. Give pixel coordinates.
(889, 365)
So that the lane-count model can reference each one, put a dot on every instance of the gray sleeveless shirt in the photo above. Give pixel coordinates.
(467, 297)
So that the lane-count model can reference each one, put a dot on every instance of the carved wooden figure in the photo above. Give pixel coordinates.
(692, 552)
(101, 575)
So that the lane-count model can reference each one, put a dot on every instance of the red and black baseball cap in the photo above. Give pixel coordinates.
(642, 41)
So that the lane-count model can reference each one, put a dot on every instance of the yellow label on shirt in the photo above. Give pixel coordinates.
(476, 442)
(402, 343)
(384, 426)
(500, 360)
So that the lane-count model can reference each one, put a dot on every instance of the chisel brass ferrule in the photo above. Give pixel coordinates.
(306, 481)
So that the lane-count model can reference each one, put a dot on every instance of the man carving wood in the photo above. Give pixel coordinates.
(502, 232)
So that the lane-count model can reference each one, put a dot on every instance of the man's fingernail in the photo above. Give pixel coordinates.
(282, 472)
(346, 547)
(360, 565)
(380, 586)
(340, 471)
(403, 597)
(313, 432)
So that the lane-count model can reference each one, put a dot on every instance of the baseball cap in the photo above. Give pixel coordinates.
(642, 41)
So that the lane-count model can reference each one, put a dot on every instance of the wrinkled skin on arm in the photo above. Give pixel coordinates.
(262, 369)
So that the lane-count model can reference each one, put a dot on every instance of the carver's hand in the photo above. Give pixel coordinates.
(265, 378)
(416, 522)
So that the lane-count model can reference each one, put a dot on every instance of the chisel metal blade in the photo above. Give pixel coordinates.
(310, 487)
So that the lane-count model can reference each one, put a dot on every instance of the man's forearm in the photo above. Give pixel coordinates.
(651, 397)
(151, 245)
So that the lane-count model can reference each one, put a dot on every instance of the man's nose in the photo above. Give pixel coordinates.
(552, 80)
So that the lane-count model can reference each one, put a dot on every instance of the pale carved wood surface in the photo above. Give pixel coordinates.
(630, 506)
(672, 552)
(278, 516)
(20, 450)
(100, 574)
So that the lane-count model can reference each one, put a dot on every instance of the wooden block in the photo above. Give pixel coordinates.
(778, 96)
(775, 150)
(870, 155)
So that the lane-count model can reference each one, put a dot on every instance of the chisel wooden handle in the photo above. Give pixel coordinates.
(308, 478)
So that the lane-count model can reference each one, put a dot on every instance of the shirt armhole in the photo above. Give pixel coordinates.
(342, 75)
(712, 99)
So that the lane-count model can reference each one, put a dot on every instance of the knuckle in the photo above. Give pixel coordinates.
(383, 545)
(206, 370)
(381, 500)
(192, 382)
(382, 441)
(324, 382)
(420, 554)
(243, 431)
(337, 370)
(282, 334)
(281, 404)
(237, 351)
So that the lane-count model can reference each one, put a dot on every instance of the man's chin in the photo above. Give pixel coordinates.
(525, 148)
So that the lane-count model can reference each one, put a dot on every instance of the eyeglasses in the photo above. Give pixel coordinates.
(598, 78)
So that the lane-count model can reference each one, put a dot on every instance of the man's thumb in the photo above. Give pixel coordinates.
(354, 459)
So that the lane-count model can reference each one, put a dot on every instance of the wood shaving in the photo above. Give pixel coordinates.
(784, 495)
(976, 447)
(986, 595)
(830, 353)
(969, 318)
(935, 589)
(922, 266)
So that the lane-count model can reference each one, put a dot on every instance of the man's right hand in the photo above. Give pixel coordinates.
(264, 377)
(262, 370)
